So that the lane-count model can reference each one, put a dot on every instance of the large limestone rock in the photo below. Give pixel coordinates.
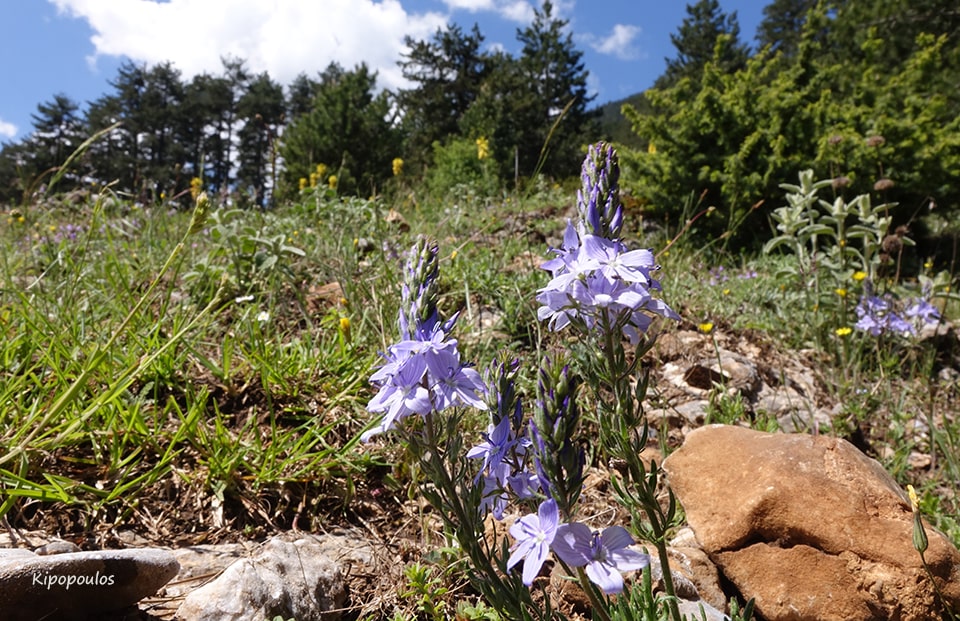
(809, 526)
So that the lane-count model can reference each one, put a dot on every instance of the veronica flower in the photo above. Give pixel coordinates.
(616, 262)
(566, 253)
(595, 278)
(498, 440)
(401, 395)
(493, 495)
(533, 535)
(423, 372)
(603, 554)
(452, 382)
(923, 310)
(876, 316)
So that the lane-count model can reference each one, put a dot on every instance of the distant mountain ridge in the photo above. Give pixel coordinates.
(615, 127)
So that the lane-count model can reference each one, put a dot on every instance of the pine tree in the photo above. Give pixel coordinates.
(261, 109)
(705, 27)
(347, 130)
(159, 117)
(554, 118)
(57, 132)
(782, 25)
(300, 96)
(125, 164)
(447, 71)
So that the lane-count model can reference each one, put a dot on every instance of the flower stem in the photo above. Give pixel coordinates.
(599, 605)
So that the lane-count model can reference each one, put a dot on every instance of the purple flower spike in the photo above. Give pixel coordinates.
(423, 372)
(533, 535)
(596, 282)
(604, 554)
(598, 200)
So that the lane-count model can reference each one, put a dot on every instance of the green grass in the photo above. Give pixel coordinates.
(231, 394)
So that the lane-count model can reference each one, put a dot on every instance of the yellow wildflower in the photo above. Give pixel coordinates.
(651, 148)
(841, 292)
(914, 501)
(321, 170)
(726, 292)
(859, 275)
(313, 179)
(844, 331)
(453, 255)
(332, 182)
(303, 183)
(196, 184)
(345, 327)
(706, 327)
(928, 265)
(397, 166)
(483, 148)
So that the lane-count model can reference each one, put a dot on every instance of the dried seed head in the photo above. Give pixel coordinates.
(883, 184)
(840, 182)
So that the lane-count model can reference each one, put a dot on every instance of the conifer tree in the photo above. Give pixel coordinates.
(348, 131)
(57, 132)
(698, 35)
(554, 116)
(447, 71)
(261, 109)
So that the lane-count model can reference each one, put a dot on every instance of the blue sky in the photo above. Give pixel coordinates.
(74, 47)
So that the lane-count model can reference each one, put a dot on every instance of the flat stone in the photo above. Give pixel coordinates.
(288, 579)
(75, 585)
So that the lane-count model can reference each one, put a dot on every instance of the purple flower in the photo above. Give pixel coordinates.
(452, 382)
(498, 441)
(533, 535)
(400, 395)
(493, 496)
(616, 262)
(604, 554)
(596, 281)
(923, 311)
(423, 372)
(718, 275)
(876, 316)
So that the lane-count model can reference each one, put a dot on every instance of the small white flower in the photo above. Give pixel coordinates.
(263, 316)
(243, 298)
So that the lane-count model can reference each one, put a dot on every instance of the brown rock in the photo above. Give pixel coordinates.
(809, 526)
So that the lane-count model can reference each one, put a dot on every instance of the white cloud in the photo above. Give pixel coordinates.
(470, 5)
(281, 38)
(520, 11)
(619, 42)
(7, 130)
